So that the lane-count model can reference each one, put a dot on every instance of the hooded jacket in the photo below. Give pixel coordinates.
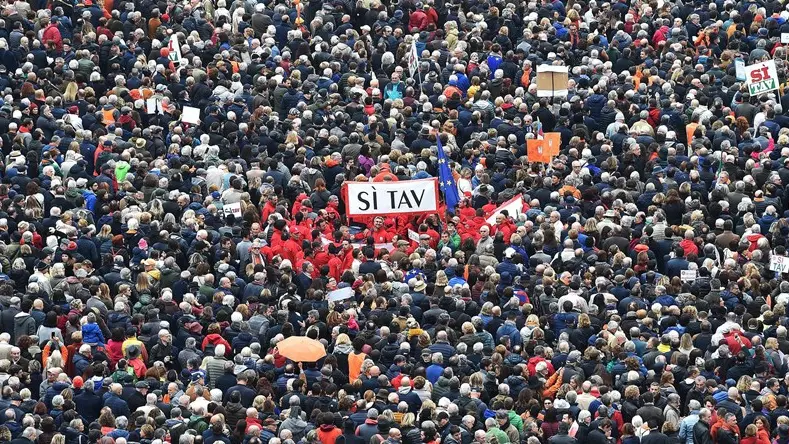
(234, 412)
(215, 339)
(118, 319)
(81, 363)
(295, 424)
(441, 388)
(24, 324)
(328, 433)
(91, 334)
(367, 430)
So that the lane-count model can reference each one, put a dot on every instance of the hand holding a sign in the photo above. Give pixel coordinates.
(761, 77)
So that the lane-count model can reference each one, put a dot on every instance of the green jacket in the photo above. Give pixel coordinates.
(515, 420)
(501, 437)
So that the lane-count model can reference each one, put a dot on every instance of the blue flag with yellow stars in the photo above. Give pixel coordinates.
(446, 180)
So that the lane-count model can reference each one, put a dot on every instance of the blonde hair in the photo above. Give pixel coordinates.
(343, 338)
(686, 342)
(744, 383)
(70, 93)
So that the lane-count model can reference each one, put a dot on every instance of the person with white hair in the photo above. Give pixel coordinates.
(215, 365)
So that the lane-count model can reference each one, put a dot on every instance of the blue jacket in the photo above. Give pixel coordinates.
(90, 200)
(444, 348)
(509, 329)
(595, 103)
(463, 83)
(118, 406)
(91, 334)
(562, 321)
(291, 99)
(434, 372)
(412, 399)
(686, 427)
(494, 60)
(89, 405)
(765, 222)
(508, 266)
(674, 266)
(52, 391)
(81, 363)
(87, 248)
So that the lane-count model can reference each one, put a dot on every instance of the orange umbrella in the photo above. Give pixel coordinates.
(301, 349)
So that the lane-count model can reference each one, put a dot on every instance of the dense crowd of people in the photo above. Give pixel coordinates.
(172, 209)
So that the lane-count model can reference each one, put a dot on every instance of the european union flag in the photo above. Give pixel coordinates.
(446, 180)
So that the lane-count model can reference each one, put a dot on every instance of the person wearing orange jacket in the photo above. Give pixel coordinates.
(385, 174)
(57, 345)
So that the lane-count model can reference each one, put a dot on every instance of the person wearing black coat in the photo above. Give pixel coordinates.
(729, 433)
(701, 430)
(731, 405)
(389, 351)
(349, 434)
(7, 316)
(602, 434)
(247, 394)
(228, 378)
(136, 397)
(562, 437)
(235, 411)
(655, 436)
(28, 436)
(88, 403)
(649, 412)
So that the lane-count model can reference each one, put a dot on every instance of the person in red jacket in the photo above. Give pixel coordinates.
(328, 432)
(320, 257)
(288, 249)
(215, 338)
(465, 210)
(385, 175)
(51, 34)
(418, 19)
(505, 226)
(297, 204)
(268, 208)
(737, 341)
(434, 236)
(688, 244)
(531, 365)
(335, 262)
(379, 233)
(422, 17)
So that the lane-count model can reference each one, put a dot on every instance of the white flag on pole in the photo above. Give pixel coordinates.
(413, 59)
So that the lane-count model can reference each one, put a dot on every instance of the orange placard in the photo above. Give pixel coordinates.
(552, 142)
(689, 130)
(536, 152)
(108, 116)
